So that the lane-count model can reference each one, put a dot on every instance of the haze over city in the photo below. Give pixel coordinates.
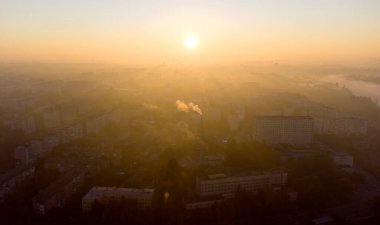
(190, 112)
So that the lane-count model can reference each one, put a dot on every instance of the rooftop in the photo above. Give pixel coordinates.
(283, 117)
(57, 186)
(13, 173)
(197, 199)
(118, 191)
(216, 176)
(243, 174)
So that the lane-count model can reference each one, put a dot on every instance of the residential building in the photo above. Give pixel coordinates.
(98, 122)
(25, 123)
(143, 197)
(12, 178)
(342, 126)
(203, 203)
(274, 130)
(71, 133)
(57, 193)
(227, 186)
(21, 155)
(212, 160)
(343, 159)
(299, 153)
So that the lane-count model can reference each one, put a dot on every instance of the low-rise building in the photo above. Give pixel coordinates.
(343, 159)
(203, 203)
(143, 197)
(204, 206)
(71, 133)
(96, 123)
(342, 126)
(49, 142)
(12, 178)
(212, 160)
(22, 155)
(299, 153)
(227, 186)
(28, 153)
(57, 193)
(25, 123)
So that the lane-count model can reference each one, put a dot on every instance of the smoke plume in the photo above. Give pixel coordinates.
(195, 108)
(182, 106)
(186, 107)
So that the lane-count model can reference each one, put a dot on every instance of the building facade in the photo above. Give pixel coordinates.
(343, 159)
(227, 186)
(143, 197)
(274, 130)
(343, 126)
(57, 193)
(10, 180)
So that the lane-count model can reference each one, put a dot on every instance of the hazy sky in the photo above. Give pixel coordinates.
(228, 30)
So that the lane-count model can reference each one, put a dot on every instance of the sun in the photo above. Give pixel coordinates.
(191, 42)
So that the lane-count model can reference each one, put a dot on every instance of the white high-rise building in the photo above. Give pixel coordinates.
(294, 130)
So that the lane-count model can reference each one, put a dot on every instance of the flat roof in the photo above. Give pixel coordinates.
(282, 117)
(13, 173)
(197, 199)
(57, 186)
(118, 190)
(216, 176)
(134, 190)
(239, 175)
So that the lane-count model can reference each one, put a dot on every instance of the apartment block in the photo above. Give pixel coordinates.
(274, 130)
(227, 186)
(58, 192)
(143, 197)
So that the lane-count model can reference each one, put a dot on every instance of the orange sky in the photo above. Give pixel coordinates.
(153, 31)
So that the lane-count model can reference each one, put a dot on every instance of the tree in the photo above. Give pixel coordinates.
(319, 182)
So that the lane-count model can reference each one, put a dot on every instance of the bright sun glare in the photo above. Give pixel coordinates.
(191, 41)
